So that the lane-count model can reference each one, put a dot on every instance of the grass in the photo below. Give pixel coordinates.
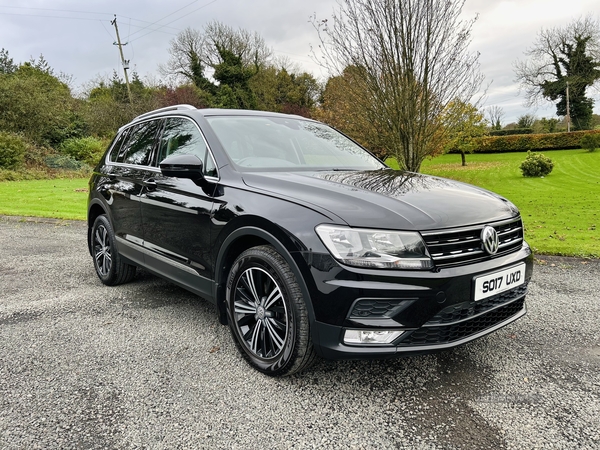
(561, 212)
(58, 198)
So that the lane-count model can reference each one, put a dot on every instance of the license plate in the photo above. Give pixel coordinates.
(498, 282)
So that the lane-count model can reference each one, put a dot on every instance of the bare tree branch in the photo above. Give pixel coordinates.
(408, 59)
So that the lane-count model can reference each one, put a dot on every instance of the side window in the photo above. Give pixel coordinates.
(138, 147)
(180, 137)
(117, 144)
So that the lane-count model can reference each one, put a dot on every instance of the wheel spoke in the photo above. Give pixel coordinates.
(275, 338)
(255, 337)
(98, 237)
(107, 260)
(105, 265)
(247, 299)
(273, 297)
(244, 308)
(251, 284)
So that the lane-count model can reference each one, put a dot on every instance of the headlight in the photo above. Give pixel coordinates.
(375, 248)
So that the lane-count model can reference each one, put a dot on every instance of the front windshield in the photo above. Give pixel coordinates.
(256, 143)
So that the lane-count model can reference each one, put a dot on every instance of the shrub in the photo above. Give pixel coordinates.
(35, 156)
(590, 142)
(536, 165)
(12, 150)
(87, 149)
(64, 162)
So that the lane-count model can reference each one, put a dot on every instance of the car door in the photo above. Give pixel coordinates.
(125, 184)
(176, 213)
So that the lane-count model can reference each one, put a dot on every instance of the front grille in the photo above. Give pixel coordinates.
(465, 310)
(463, 245)
(451, 333)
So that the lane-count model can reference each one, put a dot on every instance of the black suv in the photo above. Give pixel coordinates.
(305, 242)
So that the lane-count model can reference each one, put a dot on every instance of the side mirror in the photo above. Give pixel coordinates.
(182, 166)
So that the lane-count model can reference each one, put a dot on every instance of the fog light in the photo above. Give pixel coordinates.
(370, 336)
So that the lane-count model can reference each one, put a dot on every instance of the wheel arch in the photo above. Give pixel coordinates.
(242, 239)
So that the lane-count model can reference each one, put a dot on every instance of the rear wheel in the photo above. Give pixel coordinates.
(108, 263)
(267, 314)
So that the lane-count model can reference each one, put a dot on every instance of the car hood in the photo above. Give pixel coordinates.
(388, 199)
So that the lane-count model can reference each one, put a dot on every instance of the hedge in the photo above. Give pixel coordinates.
(530, 142)
(511, 132)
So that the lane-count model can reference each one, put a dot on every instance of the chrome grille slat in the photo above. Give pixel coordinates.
(463, 245)
(506, 244)
(449, 257)
(467, 241)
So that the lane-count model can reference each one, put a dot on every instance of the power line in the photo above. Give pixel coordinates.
(175, 20)
(157, 29)
(75, 11)
(79, 18)
(169, 15)
(102, 23)
(145, 21)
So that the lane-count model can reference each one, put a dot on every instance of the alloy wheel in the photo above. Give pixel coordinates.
(260, 313)
(102, 251)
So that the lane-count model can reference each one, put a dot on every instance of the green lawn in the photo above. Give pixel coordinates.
(59, 198)
(561, 211)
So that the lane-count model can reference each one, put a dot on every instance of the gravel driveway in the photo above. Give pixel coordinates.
(147, 365)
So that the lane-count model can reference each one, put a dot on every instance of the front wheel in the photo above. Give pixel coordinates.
(108, 263)
(267, 314)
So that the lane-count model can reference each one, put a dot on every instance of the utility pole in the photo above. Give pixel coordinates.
(568, 111)
(125, 62)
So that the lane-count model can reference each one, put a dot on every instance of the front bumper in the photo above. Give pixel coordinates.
(435, 311)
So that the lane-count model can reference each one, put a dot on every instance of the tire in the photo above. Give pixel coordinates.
(109, 265)
(267, 314)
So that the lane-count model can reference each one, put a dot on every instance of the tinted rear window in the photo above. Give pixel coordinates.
(137, 148)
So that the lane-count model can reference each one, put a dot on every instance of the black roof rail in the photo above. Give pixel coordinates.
(166, 108)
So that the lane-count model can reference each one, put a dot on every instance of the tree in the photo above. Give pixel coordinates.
(108, 106)
(193, 53)
(465, 123)
(547, 125)
(7, 64)
(234, 91)
(249, 47)
(411, 59)
(339, 110)
(495, 115)
(187, 59)
(37, 104)
(279, 90)
(561, 57)
(526, 121)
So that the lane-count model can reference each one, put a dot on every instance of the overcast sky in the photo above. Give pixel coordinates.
(77, 37)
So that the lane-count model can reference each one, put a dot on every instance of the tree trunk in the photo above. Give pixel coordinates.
(463, 158)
